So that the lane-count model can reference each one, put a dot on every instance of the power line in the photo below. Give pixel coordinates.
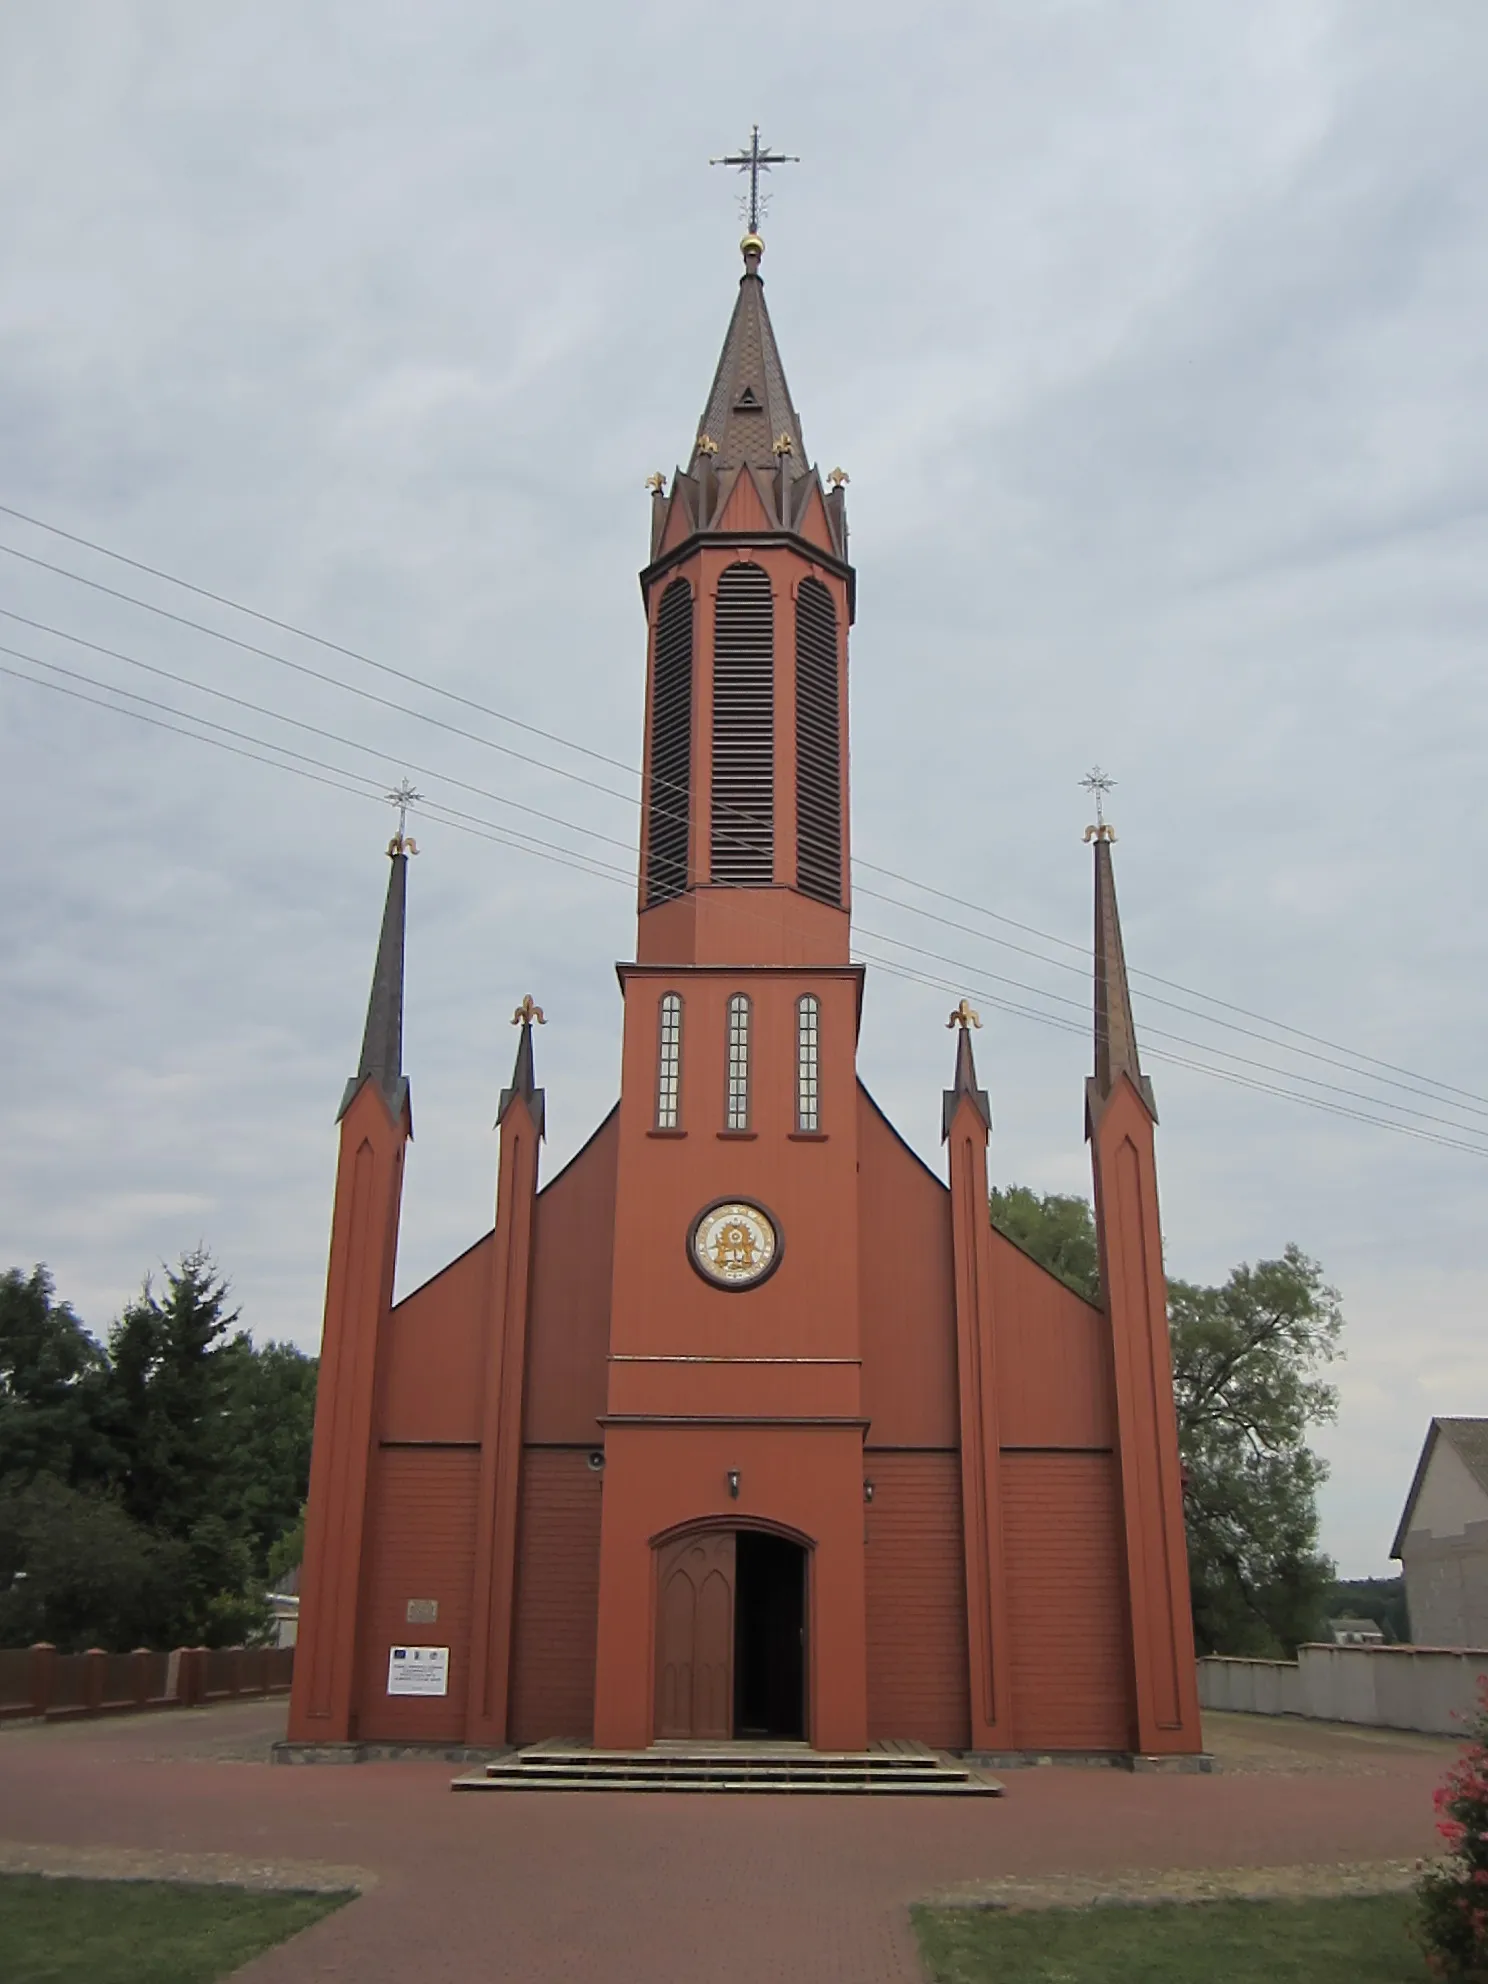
(278, 716)
(1354, 1056)
(316, 770)
(1174, 1060)
(483, 830)
(572, 826)
(367, 789)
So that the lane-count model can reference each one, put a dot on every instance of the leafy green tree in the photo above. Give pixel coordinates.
(76, 1570)
(144, 1483)
(269, 1417)
(50, 1368)
(1246, 1364)
(1057, 1228)
(167, 1391)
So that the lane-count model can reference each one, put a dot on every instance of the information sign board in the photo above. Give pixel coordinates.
(418, 1670)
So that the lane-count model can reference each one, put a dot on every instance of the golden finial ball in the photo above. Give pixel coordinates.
(751, 245)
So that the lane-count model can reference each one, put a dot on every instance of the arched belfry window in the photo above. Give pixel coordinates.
(808, 1063)
(744, 728)
(736, 1108)
(669, 792)
(669, 1062)
(818, 746)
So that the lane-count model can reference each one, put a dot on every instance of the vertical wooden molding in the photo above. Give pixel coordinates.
(359, 1282)
(501, 1430)
(1164, 1676)
(986, 1601)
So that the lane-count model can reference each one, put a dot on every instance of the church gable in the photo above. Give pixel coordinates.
(906, 1294)
(811, 520)
(744, 508)
(678, 528)
(435, 1354)
(568, 1330)
(1053, 1365)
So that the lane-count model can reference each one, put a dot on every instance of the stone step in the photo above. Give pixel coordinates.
(564, 1767)
(790, 1787)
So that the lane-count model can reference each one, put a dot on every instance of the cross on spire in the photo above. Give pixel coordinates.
(1098, 783)
(754, 160)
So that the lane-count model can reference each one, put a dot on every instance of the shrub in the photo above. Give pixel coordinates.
(1453, 1891)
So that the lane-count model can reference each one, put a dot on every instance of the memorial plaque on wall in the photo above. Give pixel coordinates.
(418, 1670)
(421, 1611)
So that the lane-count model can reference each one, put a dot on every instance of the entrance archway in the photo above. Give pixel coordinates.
(730, 1636)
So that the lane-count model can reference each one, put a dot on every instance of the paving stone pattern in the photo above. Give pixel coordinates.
(673, 1889)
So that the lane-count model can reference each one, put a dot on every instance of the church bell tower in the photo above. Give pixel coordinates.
(734, 1397)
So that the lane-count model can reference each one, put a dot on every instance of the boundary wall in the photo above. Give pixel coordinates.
(1429, 1688)
(37, 1683)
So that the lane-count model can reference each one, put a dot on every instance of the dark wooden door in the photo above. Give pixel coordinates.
(695, 1637)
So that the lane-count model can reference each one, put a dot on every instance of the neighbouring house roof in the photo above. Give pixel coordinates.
(1468, 1439)
(1370, 1627)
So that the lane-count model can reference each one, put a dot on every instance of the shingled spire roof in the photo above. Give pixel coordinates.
(382, 1039)
(1115, 1030)
(750, 407)
(747, 472)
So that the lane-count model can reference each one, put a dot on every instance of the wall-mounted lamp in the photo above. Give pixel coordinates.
(733, 1483)
(867, 1491)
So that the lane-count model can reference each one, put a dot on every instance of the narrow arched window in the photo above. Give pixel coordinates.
(744, 728)
(808, 1063)
(669, 1062)
(818, 746)
(736, 1113)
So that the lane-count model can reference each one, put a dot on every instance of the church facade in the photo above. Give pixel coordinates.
(746, 1423)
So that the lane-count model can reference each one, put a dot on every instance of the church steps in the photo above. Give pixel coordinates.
(909, 1771)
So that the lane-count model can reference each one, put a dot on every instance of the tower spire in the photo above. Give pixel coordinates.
(1115, 1031)
(382, 1037)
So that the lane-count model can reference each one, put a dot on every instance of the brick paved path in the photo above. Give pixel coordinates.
(665, 1889)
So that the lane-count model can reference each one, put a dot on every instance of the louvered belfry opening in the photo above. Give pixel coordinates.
(670, 792)
(744, 728)
(818, 746)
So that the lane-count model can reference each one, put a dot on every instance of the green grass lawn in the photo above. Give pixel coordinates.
(1348, 1940)
(140, 1932)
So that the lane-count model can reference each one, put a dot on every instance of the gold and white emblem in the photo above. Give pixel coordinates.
(733, 1244)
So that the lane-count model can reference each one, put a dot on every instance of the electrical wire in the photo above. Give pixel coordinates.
(363, 787)
(1355, 1056)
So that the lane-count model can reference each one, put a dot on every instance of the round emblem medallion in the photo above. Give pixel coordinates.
(734, 1244)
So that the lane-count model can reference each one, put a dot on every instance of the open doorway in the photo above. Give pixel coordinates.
(769, 1636)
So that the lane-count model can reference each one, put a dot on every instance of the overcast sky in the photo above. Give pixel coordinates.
(1151, 336)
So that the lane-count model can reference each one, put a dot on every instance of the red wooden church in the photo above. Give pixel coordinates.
(745, 1423)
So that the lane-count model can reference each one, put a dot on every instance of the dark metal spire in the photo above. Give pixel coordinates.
(1115, 1030)
(382, 1040)
(523, 1085)
(965, 1084)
